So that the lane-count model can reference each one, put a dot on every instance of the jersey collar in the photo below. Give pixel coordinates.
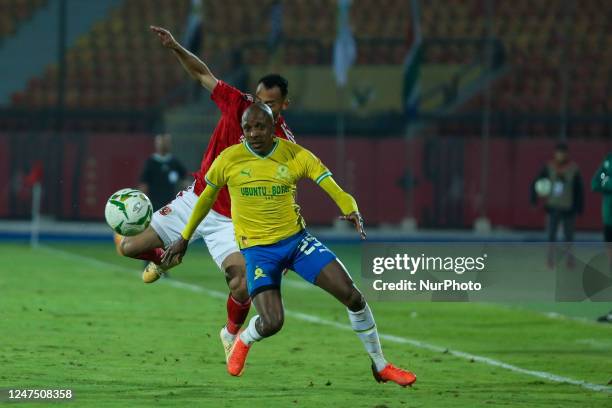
(164, 158)
(259, 155)
(279, 122)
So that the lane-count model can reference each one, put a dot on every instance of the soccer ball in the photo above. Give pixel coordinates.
(128, 212)
(543, 187)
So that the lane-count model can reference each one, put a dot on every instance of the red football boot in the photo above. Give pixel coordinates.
(395, 374)
(237, 357)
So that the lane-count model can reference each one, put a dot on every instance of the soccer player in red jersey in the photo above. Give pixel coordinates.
(217, 229)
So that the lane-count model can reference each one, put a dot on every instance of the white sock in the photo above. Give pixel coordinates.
(226, 334)
(250, 335)
(363, 324)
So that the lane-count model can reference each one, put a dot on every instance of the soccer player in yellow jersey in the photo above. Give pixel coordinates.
(261, 174)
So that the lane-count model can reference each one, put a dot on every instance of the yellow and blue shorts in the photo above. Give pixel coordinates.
(302, 253)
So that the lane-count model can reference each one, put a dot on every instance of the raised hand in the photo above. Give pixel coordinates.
(357, 221)
(165, 37)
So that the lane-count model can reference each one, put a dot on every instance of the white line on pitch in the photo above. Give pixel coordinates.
(314, 319)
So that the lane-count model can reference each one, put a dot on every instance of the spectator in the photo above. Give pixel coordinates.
(163, 175)
(559, 183)
(601, 183)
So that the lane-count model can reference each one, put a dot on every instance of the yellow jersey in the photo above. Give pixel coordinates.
(262, 189)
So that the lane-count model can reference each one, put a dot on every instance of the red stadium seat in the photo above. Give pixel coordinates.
(95, 64)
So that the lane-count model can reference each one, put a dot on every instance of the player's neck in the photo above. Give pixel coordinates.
(263, 154)
(162, 157)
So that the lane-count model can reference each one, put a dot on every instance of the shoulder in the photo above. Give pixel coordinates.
(300, 153)
(151, 161)
(176, 162)
(148, 164)
(232, 151)
(223, 90)
(283, 130)
(289, 146)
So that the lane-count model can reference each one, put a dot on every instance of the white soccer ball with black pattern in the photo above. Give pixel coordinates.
(128, 212)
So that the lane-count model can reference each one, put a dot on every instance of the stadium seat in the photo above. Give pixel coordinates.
(96, 64)
(15, 12)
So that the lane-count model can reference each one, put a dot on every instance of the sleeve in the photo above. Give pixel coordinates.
(229, 99)
(145, 176)
(200, 210)
(596, 180)
(313, 168)
(601, 181)
(343, 200)
(216, 176)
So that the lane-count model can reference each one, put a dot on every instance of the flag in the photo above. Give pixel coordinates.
(35, 175)
(345, 50)
(412, 74)
(275, 36)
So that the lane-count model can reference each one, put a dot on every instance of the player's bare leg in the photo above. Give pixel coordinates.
(335, 280)
(268, 322)
(144, 242)
(235, 276)
(147, 246)
(238, 301)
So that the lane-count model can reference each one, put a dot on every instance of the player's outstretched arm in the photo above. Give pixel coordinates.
(175, 252)
(196, 68)
(345, 202)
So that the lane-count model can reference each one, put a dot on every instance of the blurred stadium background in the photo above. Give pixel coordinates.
(449, 110)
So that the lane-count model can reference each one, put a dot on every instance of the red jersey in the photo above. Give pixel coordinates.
(228, 132)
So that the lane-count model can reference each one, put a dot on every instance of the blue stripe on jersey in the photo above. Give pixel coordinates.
(210, 183)
(322, 176)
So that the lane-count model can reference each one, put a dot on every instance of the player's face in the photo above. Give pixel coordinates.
(273, 98)
(163, 143)
(258, 130)
(560, 156)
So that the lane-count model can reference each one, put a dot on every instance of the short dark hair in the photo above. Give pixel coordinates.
(272, 80)
(561, 147)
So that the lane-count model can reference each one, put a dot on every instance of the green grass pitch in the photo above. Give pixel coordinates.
(78, 317)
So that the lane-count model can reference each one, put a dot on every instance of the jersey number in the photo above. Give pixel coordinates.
(306, 247)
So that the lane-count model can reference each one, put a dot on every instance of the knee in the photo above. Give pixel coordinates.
(270, 324)
(127, 248)
(355, 300)
(235, 277)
